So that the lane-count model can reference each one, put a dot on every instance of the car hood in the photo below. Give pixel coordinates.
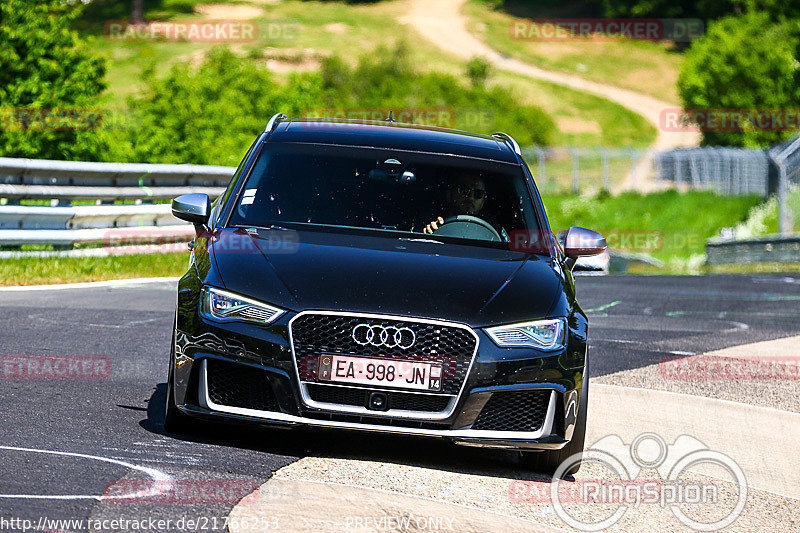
(384, 275)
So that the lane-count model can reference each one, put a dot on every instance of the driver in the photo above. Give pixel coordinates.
(466, 195)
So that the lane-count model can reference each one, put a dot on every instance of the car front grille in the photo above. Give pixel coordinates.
(514, 411)
(236, 385)
(315, 334)
(429, 403)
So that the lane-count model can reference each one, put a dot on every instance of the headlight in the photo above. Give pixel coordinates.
(223, 305)
(542, 334)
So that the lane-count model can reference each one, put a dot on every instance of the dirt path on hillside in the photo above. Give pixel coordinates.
(442, 22)
(228, 11)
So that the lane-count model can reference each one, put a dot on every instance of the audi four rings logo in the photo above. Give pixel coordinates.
(388, 336)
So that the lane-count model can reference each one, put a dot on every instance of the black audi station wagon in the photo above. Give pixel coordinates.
(377, 276)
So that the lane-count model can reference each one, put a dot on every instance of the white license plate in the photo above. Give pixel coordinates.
(386, 372)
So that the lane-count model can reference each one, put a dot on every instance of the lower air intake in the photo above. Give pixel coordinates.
(242, 386)
(514, 411)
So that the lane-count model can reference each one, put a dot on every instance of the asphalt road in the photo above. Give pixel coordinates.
(101, 429)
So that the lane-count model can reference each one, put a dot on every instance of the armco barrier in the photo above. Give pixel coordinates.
(54, 185)
(77, 173)
(766, 249)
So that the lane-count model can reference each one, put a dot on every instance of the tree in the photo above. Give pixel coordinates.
(749, 63)
(48, 83)
(137, 11)
(702, 9)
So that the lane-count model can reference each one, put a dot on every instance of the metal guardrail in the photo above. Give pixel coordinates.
(46, 172)
(133, 237)
(786, 157)
(766, 249)
(62, 225)
(85, 216)
(70, 193)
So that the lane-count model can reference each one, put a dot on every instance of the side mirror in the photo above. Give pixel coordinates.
(194, 208)
(580, 242)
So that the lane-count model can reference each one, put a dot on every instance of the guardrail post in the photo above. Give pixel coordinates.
(783, 215)
(634, 160)
(575, 169)
(540, 161)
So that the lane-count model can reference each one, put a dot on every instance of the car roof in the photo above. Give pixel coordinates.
(393, 135)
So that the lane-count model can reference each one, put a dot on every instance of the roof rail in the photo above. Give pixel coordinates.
(510, 140)
(277, 117)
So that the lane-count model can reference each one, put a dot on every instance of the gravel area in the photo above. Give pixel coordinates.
(773, 393)
(526, 496)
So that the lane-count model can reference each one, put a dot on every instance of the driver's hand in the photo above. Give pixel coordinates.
(434, 225)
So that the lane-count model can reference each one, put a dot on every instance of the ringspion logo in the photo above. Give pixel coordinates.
(623, 488)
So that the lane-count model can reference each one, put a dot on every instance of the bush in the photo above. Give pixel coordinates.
(744, 62)
(210, 114)
(43, 65)
(207, 115)
(477, 71)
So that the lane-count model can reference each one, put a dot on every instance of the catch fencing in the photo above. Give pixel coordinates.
(729, 171)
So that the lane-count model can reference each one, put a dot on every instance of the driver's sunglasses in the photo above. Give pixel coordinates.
(465, 191)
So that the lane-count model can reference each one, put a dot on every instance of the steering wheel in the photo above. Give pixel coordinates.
(468, 226)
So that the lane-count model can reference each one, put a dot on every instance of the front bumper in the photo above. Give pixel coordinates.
(541, 439)
(555, 376)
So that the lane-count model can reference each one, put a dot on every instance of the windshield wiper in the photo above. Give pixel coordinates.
(270, 227)
(419, 239)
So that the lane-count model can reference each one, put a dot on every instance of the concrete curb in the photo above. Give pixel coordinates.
(87, 284)
(311, 506)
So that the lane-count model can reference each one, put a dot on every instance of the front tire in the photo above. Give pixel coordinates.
(547, 462)
(175, 421)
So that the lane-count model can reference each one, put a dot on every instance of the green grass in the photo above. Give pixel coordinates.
(763, 218)
(35, 271)
(647, 67)
(670, 226)
(352, 30)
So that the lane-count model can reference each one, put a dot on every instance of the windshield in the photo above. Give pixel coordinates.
(445, 198)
